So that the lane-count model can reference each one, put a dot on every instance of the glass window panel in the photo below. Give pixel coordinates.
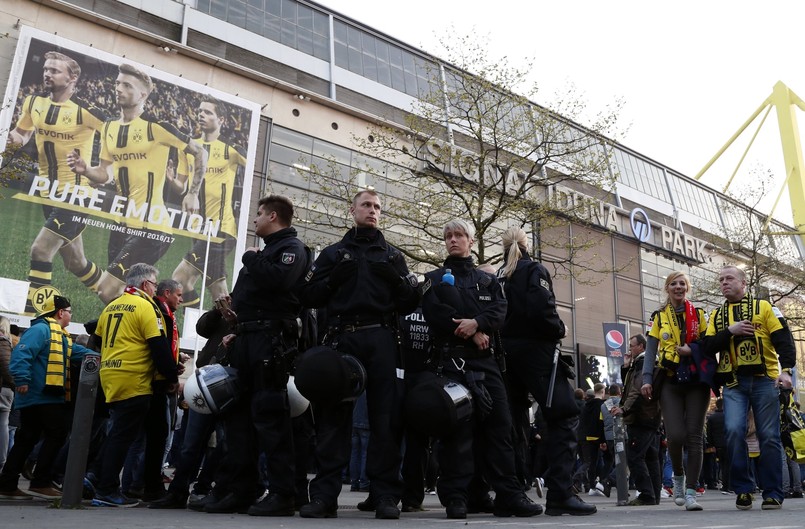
(274, 7)
(341, 56)
(397, 79)
(218, 9)
(203, 6)
(340, 29)
(627, 258)
(332, 151)
(304, 40)
(630, 301)
(288, 34)
(256, 3)
(289, 11)
(354, 38)
(321, 23)
(321, 47)
(369, 67)
(293, 139)
(236, 14)
(304, 17)
(271, 28)
(254, 19)
(355, 63)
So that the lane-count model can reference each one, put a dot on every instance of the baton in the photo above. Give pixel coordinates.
(549, 400)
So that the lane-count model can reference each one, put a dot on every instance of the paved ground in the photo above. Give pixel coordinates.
(719, 513)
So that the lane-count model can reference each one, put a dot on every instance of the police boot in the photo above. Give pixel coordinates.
(273, 505)
(456, 509)
(317, 508)
(573, 505)
(199, 504)
(519, 505)
(230, 503)
(386, 509)
(367, 505)
(171, 500)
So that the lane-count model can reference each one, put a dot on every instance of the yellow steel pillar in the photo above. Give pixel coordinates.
(784, 100)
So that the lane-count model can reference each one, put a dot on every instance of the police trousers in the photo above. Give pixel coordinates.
(529, 363)
(259, 422)
(376, 348)
(490, 439)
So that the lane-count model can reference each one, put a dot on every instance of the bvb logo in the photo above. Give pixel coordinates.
(67, 119)
(41, 295)
(137, 136)
(748, 351)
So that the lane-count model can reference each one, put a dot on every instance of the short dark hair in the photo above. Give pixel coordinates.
(167, 284)
(280, 205)
(640, 339)
(216, 103)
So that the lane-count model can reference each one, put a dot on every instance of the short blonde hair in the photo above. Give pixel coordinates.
(460, 225)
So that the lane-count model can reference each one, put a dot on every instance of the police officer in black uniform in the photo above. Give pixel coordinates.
(267, 306)
(463, 319)
(364, 283)
(530, 336)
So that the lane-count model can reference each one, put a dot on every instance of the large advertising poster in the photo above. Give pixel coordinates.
(616, 343)
(108, 163)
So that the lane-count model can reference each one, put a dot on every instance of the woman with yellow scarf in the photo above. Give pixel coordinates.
(684, 395)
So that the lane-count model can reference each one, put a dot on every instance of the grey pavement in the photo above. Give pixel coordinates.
(719, 513)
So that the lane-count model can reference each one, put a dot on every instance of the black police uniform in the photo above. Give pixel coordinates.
(415, 345)
(267, 307)
(361, 281)
(530, 335)
(476, 295)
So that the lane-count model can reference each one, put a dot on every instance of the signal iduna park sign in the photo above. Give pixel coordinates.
(635, 223)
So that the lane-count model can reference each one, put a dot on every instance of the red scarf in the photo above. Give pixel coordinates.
(691, 322)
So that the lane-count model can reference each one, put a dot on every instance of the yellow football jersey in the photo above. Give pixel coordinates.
(125, 325)
(59, 128)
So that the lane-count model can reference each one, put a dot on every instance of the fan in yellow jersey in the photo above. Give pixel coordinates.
(60, 123)
(756, 356)
(134, 348)
(224, 163)
(134, 152)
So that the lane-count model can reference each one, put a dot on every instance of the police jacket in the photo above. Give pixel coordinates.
(532, 306)
(212, 326)
(265, 289)
(476, 295)
(365, 297)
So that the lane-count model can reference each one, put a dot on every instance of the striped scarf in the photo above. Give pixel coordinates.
(57, 377)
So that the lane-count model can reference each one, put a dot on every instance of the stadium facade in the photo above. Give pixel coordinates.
(309, 81)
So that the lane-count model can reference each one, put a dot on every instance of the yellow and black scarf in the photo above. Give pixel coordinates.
(57, 376)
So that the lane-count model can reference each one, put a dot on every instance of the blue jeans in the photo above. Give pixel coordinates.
(762, 395)
(127, 419)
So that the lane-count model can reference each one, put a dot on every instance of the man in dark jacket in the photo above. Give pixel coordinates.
(265, 302)
(365, 285)
(642, 419)
(592, 435)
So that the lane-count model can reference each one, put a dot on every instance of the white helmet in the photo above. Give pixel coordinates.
(297, 402)
(212, 389)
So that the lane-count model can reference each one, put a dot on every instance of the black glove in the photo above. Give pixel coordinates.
(480, 396)
(386, 271)
(341, 273)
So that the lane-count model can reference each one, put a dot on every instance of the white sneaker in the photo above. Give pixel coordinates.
(664, 493)
(539, 487)
(595, 492)
(690, 501)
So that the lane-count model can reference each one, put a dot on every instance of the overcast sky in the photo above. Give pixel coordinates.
(688, 72)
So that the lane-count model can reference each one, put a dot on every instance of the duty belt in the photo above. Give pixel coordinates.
(259, 325)
(353, 328)
(462, 351)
